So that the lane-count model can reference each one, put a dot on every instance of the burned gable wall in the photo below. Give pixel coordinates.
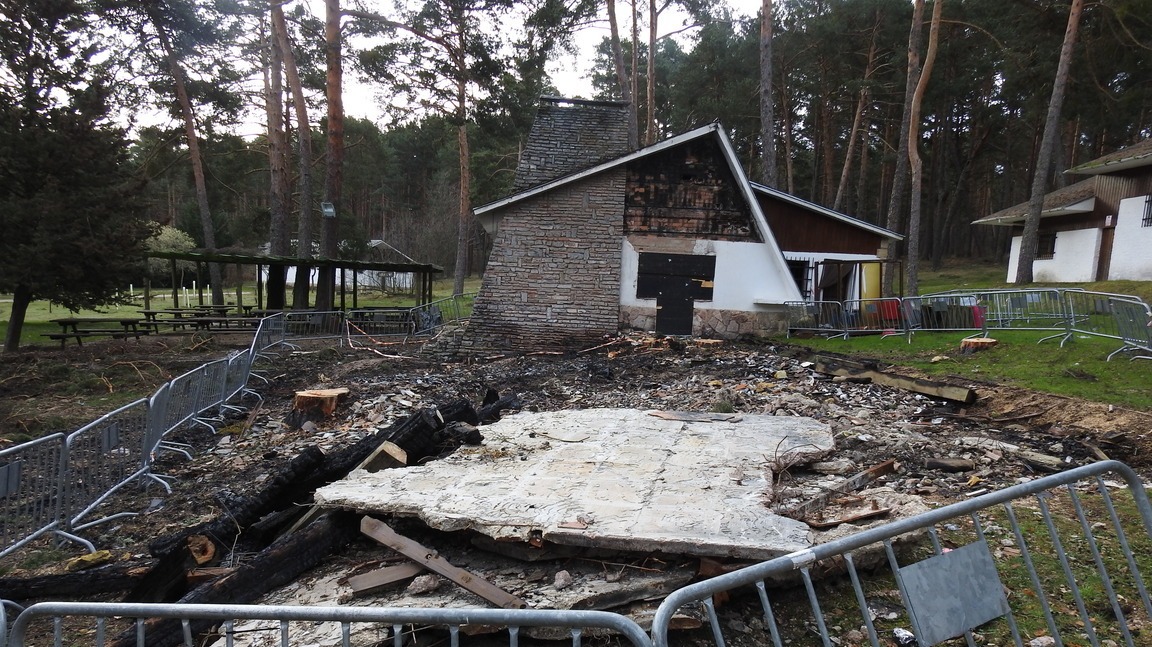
(694, 260)
(553, 278)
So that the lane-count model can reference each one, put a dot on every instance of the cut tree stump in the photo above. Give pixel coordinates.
(975, 344)
(314, 405)
(323, 399)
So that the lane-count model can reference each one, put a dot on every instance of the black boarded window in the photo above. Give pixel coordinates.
(1046, 246)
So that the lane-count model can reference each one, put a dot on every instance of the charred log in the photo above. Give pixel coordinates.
(279, 564)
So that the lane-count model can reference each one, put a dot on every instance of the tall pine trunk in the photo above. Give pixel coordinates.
(900, 176)
(278, 193)
(857, 120)
(650, 119)
(304, 153)
(1029, 241)
(195, 156)
(334, 170)
(767, 115)
(914, 160)
(464, 220)
(622, 80)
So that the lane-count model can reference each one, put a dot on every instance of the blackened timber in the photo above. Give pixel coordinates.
(244, 511)
(110, 578)
(279, 564)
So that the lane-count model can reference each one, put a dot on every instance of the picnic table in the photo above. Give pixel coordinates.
(79, 328)
(382, 320)
(224, 323)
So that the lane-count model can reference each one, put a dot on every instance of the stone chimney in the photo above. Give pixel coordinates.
(570, 135)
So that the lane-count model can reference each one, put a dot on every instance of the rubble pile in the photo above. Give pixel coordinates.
(892, 452)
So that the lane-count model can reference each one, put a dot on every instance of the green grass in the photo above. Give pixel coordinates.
(1077, 369)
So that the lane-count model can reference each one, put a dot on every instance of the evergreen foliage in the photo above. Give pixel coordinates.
(69, 209)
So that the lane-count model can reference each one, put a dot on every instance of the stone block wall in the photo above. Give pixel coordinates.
(567, 137)
(714, 324)
(553, 278)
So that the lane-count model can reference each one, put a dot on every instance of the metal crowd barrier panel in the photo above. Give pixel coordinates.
(236, 378)
(210, 396)
(884, 316)
(309, 325)
(104, 456)
(954, 312)
(816, 317)
(1133, 319)
(183, 398)
(1022, 309)
(32, 491)
(400, 626)
(1060, 556)
(269, 333)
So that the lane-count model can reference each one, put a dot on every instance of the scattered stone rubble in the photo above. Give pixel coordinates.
(941, 451)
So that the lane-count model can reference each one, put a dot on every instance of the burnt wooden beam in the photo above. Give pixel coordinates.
(110, 578)
(849, 368)
(413, 550)
(279, 564)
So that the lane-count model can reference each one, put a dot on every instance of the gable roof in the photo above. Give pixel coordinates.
(836, 215)
(1074, 198)
(1134, 156)
(489, 214)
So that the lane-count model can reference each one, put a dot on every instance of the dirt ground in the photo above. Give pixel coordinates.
(52, 389)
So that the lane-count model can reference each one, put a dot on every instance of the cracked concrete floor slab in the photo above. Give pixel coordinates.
(622, 479)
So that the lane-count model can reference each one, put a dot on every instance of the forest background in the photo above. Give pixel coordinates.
(122, 117)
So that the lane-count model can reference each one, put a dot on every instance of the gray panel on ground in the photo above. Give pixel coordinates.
(954, 592)
(611, 478)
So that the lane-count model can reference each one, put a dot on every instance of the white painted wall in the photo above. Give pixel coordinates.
(747, 277)
(1131, 259)
(1075, 260)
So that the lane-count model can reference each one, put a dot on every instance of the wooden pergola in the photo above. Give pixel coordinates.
(423, 273)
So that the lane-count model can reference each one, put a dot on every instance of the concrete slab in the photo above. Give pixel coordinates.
(624, 479)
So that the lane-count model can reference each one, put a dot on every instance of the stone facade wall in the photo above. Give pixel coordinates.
(553, 278)
(715, 324)
(570, 138)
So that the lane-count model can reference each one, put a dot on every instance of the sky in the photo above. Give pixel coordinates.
(570, 73)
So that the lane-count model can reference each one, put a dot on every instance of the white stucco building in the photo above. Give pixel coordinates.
(1097, 229)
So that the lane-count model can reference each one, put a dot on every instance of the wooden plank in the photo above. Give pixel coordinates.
(373, 581)
(381, 532)
(820, 501)
(388, 455)
(926, 387)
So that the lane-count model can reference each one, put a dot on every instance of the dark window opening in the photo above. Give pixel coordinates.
(799, 271)
(1046, 246)
(1147, 221)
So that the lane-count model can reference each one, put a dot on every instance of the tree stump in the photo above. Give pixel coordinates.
(975, 344)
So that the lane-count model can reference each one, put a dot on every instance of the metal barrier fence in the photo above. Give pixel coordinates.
(1065, 312)
(104, 456)
(818, 317)
(874, 315)
(53, 484)
(1133, 321)
(1060, 556)
(31, 490)
(45, 620)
